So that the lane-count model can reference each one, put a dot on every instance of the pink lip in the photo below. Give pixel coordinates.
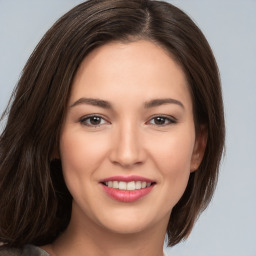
(126, 195)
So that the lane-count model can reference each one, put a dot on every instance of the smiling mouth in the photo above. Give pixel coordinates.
(127, 189)
(131, 185)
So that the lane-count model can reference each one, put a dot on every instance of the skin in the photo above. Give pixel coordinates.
(128, 140)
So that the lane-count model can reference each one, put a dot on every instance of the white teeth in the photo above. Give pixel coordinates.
(122, 185)
(115, 184)
(138, 185)
(132, 185)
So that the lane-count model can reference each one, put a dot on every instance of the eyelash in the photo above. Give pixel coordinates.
(170, 120)
(85, 119)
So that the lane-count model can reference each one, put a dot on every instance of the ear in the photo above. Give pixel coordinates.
(199, 148)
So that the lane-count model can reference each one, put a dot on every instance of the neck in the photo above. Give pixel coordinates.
(88, 238)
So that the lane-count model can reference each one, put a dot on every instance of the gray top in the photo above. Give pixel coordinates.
(27, 250)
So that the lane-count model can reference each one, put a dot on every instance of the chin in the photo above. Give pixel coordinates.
(129, 222)
(127, 227)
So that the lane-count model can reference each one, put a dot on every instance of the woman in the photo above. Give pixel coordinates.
(114, 135)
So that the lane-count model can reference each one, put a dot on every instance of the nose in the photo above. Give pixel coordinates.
(127, 147)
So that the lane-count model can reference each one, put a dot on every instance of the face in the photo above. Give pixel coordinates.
(128, 143)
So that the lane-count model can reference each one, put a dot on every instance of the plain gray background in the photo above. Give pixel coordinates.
(228, 226)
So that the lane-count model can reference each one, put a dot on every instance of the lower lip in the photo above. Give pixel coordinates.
(127, 195)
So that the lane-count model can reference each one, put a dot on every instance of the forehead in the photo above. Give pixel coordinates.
(139, 68)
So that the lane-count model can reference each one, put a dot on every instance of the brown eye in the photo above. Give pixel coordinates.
(93, 121)
(159, 120)
(162, 121)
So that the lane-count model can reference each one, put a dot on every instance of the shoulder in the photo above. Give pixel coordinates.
(10, 251)
(27, 250)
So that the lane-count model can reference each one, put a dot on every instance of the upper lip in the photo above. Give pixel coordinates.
(127, 179)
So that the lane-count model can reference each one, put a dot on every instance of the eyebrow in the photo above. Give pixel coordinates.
(94, 102)
(159, 102)
(107, 105)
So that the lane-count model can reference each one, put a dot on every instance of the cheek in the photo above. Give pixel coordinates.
(80, 153)
(78, 163)
(173, 158)
(173, 154)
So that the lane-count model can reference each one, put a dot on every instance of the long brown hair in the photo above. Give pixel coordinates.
(35, 205)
